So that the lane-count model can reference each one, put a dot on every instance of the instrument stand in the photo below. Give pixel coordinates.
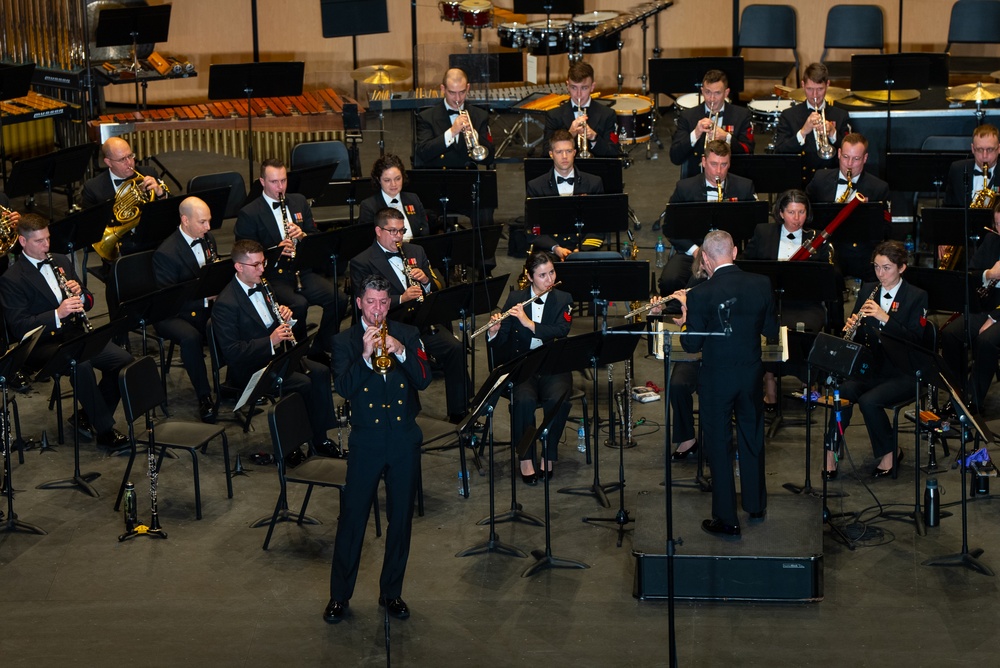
(153, 530)
(544, 558)
(837, 444)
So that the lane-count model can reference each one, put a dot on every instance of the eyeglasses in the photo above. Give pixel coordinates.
(256, 265)
(130, 156)
(394, 231)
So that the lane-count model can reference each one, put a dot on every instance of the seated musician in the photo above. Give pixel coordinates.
(527, 327)
(383, 258)
(581, 115)
(780, 242)
(563, 180)
(180, 258)
(895, 307)
(263, 220)
(713, 120)
(704, 187)
(842, 185)
(31, 296)
(983, 332)
(388, 177)
(985, 149)
(439, 137)
(7, 219)
(249, 335)
(801, 128)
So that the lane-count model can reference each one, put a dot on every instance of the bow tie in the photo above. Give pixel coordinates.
(560, 179)
(978, 172)
(394, 201)
(46, 261)
(791, 236)
(118, 182)
(580, 109)
(713, 188)
(841, 182)
(195, 242)
(539, 301)
(275, 205)
(389, 255)
(887, 296)
(254, 290)
(454, 112)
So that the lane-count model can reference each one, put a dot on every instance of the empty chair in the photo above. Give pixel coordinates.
(769, 27)
(318, 153)
(232, 180)
(974, 22)
(852, 27)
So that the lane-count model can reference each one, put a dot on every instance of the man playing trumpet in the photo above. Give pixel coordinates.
(801, 128)
(440, 134)
(582, 116)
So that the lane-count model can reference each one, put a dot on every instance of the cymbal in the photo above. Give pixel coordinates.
(974, 92)
(851, 101)
(833, 93)
(381, 74)
(898, 96)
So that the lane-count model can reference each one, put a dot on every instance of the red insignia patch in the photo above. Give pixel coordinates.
(894, 307)
(567, 316)
(298, 217)
(614, 138)
(410, 209)
(412, 261)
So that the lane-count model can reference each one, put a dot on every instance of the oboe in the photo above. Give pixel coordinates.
(273, 305)
(80, 317)
(295, 242)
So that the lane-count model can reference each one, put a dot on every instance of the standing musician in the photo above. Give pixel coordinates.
(180, 258)
(120, 159)
(440, 139)
(984, 334)
(729, 380)
(548, 316)
(985, 149)
(801, 128)
(266, 222)
(31, 296)
(388, 177)
(703, 187)
(383, 258)
(713, 120)
(249, 335)
(843, 185)
(582, 116)
(895, 307)
(385, 441)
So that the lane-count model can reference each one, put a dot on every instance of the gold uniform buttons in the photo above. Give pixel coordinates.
(400, 402)
(401, 386)
(398, 419)
(193, 314)
(376, 420)
(371, 405)
(366, 389)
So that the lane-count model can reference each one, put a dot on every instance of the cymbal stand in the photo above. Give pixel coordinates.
(10, 523)
(656, 114)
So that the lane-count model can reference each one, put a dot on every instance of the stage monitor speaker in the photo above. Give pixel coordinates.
(345, 18)
(839, 356)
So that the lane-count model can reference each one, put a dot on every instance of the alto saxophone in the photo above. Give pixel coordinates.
(295, 242)
(80, 317)
(852, 330)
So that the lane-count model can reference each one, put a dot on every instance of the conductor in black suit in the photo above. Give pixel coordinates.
(269, 224)
(31, 297)
(383, 259)
(545, 318)
(581, 115)
(388, 178)
(439, 137)
(385, 442)
(800, 127)
(703, 187)
(249, 336)
(179, 259)
(985, 149)
(842, 184)
(714, 119)
(729, 381)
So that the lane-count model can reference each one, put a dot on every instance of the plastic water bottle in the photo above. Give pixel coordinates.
(581, 439)
(932, 503)
(737, 463)
(661, 259)
(461, 487)
(911, 249)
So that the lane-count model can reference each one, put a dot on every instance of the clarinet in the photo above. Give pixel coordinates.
(295, 242)
(80, 317)
(850, 332)
(410, 281)
(273, 305)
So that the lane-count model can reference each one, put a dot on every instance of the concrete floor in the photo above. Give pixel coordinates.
(208, 595)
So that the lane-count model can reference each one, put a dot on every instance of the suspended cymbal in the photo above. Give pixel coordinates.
(974, 92)
(898, 96)
(833, 93)
(381, 74)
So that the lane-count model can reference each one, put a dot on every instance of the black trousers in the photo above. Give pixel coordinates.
(317, 390)
(985, 354)
(683, 384)
(317, 290)
(873, 395)
(527, 397)
(450, 358)
(189, 335)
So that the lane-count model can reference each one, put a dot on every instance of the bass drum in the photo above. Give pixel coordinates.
(764, 113)
(551, 37)
(634, 115)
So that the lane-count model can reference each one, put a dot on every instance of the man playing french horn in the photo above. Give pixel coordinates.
(118, 156)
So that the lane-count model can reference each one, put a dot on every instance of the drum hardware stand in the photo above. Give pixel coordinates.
(656, 112)
(521, 128)
(621, 77)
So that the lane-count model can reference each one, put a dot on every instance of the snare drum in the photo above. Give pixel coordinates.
(549, 36)
(449, 10)
(476, 13)
(514, 35)
(634, 114)
(764, 113)
(585, 22)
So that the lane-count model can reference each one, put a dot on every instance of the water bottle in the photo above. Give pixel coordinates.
(737, 463)
(932, 503)
(581, 439)
(911, 249)
(660, 252)
(131, 511)
(461, 487)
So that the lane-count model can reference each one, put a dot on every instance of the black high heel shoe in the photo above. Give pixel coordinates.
(681, 455)
(882, 473)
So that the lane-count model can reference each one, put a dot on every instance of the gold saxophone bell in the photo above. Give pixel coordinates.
(381, 361)
(129, 200)
(8, 231)
(986, 196)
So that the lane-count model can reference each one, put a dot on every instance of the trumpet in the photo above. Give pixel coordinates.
(851, 330)
(718, 187)
(582, 145)
(80, 317)
(823, 147)
(476, 150)
(847, 191)
(381, 362)
(508, 311)
(410, 281)
(713, 118)
(275, 311)
(295, 242)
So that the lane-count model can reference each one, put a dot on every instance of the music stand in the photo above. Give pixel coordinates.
(693, 220)
(270, 379)
(574, 216)
(159, 220)
(227, 82)
(217, 199)
(770, 173)
(155, 306)
(919, 172)
(311, 182)
(45, 172)
(887, 72)
(459, 247)
(214, 277)
(946, 226)
(338, 193)
(609, 170)
(684, 75)
(72, 353)
(80, 230)
(130, 26)
(15, 81)
(12, 362)
(454, 187)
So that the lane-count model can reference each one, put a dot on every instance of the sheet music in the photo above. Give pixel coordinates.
(254, 379)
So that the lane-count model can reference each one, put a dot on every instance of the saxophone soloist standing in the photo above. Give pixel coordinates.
(80, 317)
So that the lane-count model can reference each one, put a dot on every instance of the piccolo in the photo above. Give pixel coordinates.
(508, 311)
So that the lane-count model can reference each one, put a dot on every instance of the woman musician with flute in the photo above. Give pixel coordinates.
(531, 318)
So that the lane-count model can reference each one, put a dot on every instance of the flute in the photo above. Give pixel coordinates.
(508, 311)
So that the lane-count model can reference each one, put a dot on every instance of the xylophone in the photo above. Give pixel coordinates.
(501, 96)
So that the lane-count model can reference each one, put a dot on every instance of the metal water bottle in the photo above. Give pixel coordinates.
(131, 511)
(932, 503)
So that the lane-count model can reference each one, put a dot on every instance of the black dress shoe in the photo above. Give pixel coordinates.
(544, 475)
(19, 383)
(717, 528)
(206, 409)
(529, 478)
(770, 407)
(758, 516)
(83, 426)
(326, 448)
(112, 439)
(679, 456)
(335, 612)
(396, 607)
(830, 475)
(882, 473)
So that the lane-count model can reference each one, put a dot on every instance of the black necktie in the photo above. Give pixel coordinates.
(118, 182)
(791, 236)
(560, 179)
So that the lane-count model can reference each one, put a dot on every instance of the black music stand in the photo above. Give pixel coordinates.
(770, 173)
(80, 230)
(351, 193)
(270, 381)
(159, 220)
(250, 80)
(888, 72)
(72, 353)
(671, 76)
(11, 363)
(155, 306)
(459, 247)
(609, 170)
(214, 277)
(217, 199)
(799, 346)
(919, 172)
(15, 81)
(324, 250)
(578, 216)
(311, 182)
(693, 220)
(130, 26)
(945, 226)
(49, 171)
(454, 188)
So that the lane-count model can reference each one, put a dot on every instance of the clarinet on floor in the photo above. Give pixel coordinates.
(80, 317)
